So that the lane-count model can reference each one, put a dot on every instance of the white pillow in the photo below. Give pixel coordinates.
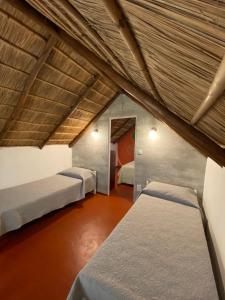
(171, 192)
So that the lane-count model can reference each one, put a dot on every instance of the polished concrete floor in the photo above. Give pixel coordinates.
(40, 260)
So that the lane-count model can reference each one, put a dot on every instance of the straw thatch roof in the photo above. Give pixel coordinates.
(57, 75)
(120, 127)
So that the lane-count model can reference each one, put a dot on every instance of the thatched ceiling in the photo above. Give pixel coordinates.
(169, 49)
(119, 127)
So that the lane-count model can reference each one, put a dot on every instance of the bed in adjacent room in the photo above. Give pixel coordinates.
(157, 251)
(126, 174)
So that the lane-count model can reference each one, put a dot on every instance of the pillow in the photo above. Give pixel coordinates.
(75, 172)
(171, 192)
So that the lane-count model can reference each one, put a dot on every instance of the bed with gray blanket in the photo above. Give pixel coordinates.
(158, 251)
(24, 203)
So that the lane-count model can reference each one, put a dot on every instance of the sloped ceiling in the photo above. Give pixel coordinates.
(171, 50)
(119, 127)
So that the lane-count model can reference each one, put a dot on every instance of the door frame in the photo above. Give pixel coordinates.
(109, 148)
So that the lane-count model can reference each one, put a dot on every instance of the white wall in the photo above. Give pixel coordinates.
(214, 205)
(19, 165)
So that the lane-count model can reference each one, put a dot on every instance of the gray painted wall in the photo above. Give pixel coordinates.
(168, 159)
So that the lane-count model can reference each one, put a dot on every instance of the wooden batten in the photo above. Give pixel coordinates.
(118, 17)
(28, 85)
(215, 91)
(84, 93)
(93, 120)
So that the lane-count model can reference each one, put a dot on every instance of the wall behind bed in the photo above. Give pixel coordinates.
(214, 206)
(168, 159)
(20, 165)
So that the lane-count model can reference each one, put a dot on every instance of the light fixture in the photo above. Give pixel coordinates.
(153, 134)
(95, 133)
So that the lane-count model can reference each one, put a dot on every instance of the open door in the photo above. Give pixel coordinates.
(122, 154)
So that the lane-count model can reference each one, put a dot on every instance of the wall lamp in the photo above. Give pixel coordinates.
(153, 134)
(95, 133)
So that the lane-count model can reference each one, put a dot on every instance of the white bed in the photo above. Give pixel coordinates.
(24, 203)
(126, 173)
(158, 251)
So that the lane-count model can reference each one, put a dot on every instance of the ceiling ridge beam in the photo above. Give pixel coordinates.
(119, 19)
(94, 119)
(216, 90)
(82, 96)
(28, 85)
(92, 33)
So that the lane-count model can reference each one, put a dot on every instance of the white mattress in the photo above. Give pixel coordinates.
(158, 251)
(24, 203)
(126, 173)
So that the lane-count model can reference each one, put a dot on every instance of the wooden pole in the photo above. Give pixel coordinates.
(94, 120)
(83, 94)
(28, 85)
(197, 139)
(215, 91)
(118, 17)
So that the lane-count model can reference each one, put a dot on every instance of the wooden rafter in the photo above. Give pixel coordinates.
(28, 85)
(93, 120)
(83, 94)
(118, 17)
(87, 29)
(215, 91)
(120, 127)
(197, 139)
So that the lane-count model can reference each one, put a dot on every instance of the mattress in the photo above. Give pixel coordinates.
(158, 251)
(126, 173)
(24, 203)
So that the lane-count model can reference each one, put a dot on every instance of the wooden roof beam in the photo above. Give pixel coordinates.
(215, 91)
(83, 94)
(197, 139)
(118, 17)
(93, 120)
(120, 127)
(93, 35)
(28, 85)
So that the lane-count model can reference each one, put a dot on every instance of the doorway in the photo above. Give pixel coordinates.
(122, 156)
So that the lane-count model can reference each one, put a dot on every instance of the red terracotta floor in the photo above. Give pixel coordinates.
(40, 260)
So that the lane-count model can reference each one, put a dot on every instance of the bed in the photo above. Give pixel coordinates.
(126, 174)
(158, 251)
(24, 203)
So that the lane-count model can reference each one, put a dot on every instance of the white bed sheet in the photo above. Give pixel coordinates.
(126, 173)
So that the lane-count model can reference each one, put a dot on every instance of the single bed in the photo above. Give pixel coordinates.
(158, 251)
(24, 203)
(126, 173)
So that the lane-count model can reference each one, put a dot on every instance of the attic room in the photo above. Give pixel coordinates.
(112, 138)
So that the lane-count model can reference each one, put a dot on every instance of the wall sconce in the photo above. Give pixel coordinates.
(95, 133)
(153, 134)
